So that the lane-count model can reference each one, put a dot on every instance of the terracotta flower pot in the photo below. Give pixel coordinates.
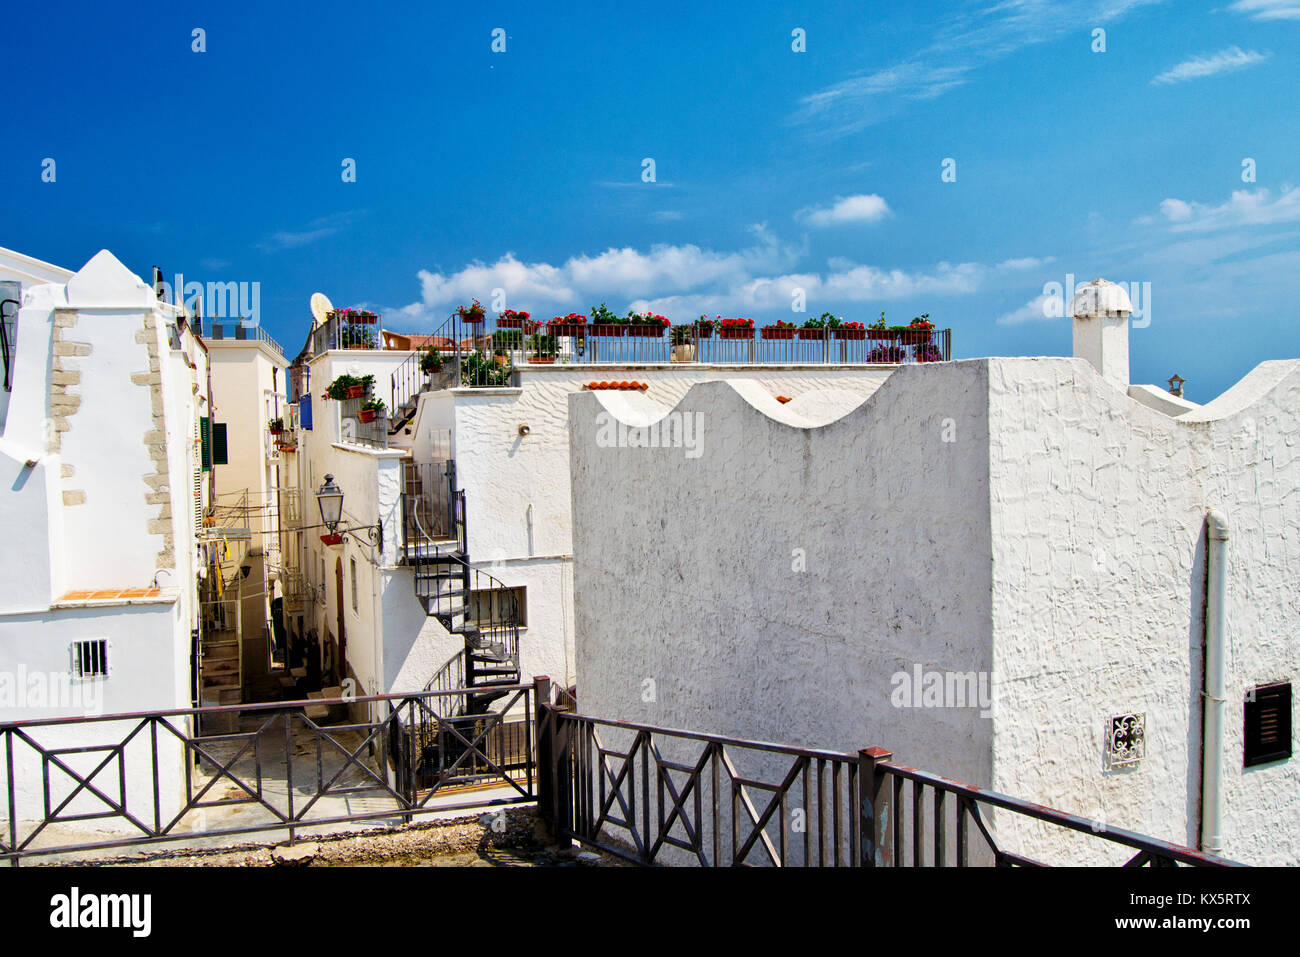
(772, 332)
(567, 329)
(356, 391)
(885, 335)
(542, 360)
(850, 333)
(815, 334)
(735, 333)
(366, 415)
(613, 330)
(645, 331)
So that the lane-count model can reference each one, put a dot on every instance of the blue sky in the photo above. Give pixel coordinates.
(774, 169)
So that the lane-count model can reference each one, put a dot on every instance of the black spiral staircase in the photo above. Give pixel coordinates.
(466, 601)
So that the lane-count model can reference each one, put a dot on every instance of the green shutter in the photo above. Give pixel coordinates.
(205, 440)
(219, 443)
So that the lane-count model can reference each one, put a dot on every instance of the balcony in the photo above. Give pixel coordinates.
(347, 329)
(240, 330)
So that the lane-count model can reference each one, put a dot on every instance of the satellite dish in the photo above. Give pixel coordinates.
(321, 307)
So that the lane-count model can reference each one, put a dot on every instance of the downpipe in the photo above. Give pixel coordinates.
(1212, 695)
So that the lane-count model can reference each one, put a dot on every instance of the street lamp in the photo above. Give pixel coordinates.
(330, 499)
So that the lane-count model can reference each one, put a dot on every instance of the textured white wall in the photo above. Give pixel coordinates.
(1054, 539)
(684, 570)
(1098, 513)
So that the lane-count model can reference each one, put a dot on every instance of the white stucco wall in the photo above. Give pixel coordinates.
(685, 570)
(1020, 518)
(1098, 514)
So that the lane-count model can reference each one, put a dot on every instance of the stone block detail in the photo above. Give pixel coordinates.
(155, 439)
(74, 497)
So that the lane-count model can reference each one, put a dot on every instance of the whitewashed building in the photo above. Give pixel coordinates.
(102, 506)
(1022, 573)
(500, 452)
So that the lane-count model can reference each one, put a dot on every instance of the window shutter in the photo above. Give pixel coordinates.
(205, 439)
(219, 443)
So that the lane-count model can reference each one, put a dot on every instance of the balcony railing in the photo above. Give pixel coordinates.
(337, 333)
(483, 355)
(354, 430)
(238, 329)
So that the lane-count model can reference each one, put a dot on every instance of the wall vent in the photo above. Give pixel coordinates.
(1268, 724)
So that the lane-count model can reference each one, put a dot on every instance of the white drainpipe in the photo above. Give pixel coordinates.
(1216, 596)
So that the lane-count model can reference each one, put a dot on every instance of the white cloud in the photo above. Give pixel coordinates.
(316, 230)
(863, 208)
(1268, 9)
(1244, 208)
(971, 39)
(1032, 311)
(1199, 67)
(687, 280)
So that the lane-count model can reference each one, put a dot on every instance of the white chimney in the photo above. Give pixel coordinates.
(1101, 310)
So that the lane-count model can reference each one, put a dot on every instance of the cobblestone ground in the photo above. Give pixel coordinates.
(509, 838)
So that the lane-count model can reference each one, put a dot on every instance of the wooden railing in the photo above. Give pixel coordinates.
(660, 796)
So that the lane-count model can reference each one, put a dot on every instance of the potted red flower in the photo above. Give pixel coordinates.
(850, 330)
(878, 330)
(574, 324)
(918, 331)
(779, 330)
(369, 410)
(472, 314)
(736, 329)
(704, 328)
(510, 319)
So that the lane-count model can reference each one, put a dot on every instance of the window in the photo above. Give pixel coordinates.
(491, 606)
(90, 658)
(1268, 724)
(353, 563)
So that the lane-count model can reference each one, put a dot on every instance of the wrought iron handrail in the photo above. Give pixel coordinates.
(659, 788)
(136, 749)
(4, 339)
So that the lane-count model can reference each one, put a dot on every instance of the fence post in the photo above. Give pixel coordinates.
(544, 732)
(875, 809)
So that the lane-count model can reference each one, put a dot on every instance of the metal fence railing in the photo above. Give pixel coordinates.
(150, 778)
(486, 355)
(238, 329)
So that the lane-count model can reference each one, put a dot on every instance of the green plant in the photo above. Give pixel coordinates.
(368, 381)
(604, 316)
(879, 323)
(541, 344)
(477, 370)
(276, 425)
(338, 389)
(824, 321)
(681, 335)
(504, 340)
(373, 405)
(355, 335)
